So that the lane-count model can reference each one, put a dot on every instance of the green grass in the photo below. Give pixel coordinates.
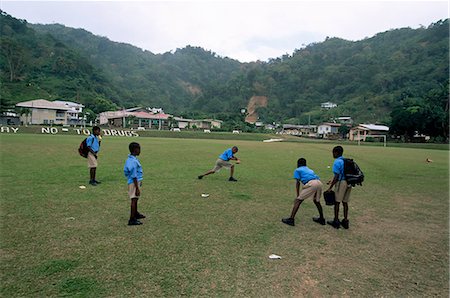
(60, 240)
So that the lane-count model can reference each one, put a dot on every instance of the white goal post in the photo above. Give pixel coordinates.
(374, 136)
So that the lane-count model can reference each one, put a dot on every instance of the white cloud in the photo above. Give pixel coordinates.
(244, 30)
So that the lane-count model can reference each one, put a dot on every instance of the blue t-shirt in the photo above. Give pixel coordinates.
(338, 167)
(133, 169)
(92, 141)
(227, 155)
(305, 174)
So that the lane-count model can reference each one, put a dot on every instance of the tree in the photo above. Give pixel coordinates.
(14, 55)
(344, 130)
(6, 105)
(26, 112)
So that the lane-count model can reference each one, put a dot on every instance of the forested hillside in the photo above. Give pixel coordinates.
(368, 79)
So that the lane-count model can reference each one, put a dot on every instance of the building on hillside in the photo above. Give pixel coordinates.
(344, 120)
(182, 123)
(41, 111)
(197, 123)
(135, 118)
(155, 110)
(300, 130)
(75, 114)
(328, 105)
(328, 130)
(363, 131)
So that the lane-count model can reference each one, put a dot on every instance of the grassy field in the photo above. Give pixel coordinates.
(60, 240)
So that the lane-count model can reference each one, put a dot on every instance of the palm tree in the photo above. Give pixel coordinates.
(26, 112)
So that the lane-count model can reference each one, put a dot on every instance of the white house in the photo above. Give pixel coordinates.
(328, 105)
(74, 115)
(327, 130)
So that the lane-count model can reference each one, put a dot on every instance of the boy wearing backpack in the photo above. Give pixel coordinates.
(342, 189)
(93, 144)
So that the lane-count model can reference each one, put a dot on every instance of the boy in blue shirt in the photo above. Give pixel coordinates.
(223, 162)
(312, 187)
(93, 144)
(133, 172)
(342, 189)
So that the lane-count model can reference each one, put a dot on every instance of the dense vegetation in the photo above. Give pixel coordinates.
(395, 74)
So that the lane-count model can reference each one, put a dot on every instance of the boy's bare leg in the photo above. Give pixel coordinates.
(319, 208)
(133, 213)
(345, 204)
(336, 211)
(92, 173)
(297, 204)
(206, 174)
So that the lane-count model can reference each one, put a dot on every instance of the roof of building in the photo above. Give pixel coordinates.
(43, 104)
(182, 119)
(292, 126)
(69, 103)
(210, 120)
(141, 115)
(330, 124)
(374, 127)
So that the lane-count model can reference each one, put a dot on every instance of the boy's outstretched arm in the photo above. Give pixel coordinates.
(333, 182)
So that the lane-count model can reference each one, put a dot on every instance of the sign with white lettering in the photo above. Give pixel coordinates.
(6, 129)
(84, 131)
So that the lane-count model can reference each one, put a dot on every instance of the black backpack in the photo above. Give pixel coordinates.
(352, 172)
(83, 150)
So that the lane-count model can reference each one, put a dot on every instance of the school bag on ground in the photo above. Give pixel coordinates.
(352, 172)
(83, 149)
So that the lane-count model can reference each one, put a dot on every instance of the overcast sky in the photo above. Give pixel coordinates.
(244, 30)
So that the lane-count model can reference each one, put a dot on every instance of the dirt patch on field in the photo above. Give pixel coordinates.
(254, 103)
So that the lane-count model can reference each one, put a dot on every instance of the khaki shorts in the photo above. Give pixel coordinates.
(342, 191)
(92, 161)
(220, 163)
(311, 189)
(132, 190)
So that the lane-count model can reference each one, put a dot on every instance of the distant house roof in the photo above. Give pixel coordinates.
(43, 104)
(292, 126)
(330, 124)
(141, 115)
(375, 127)
(133, 109)
(182, 119)
(69, 103)
(210, 120)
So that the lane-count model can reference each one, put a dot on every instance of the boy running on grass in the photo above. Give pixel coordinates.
(223, 162)
(134, 174)
(312, 187)
(342, 189)
(93, 144)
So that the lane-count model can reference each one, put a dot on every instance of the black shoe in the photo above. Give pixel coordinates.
(334, 223)
(134, 222)
(232, 179)
(319, 220)
(345, 223)
(139, 216)
(93, 183)
(288, 221)
(98, 182)
(200, 177)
